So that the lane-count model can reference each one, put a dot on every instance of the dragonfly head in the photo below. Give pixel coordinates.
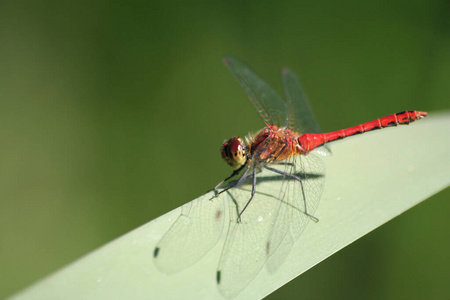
(234, 152)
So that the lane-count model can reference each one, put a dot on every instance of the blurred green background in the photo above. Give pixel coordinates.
(112, 114)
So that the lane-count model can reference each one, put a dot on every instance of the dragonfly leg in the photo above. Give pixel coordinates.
(251, 197)
(233, 184)
(258, 169)
(303, 189)
(292, 165)
(284, 163)
(235, 172)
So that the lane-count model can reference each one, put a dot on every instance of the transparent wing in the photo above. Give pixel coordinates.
(244, 252)
(299, 204)
(192, 235)
(300, 115)
(269, 105)
(274, 220)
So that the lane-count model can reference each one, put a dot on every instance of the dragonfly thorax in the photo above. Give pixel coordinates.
(234, 152)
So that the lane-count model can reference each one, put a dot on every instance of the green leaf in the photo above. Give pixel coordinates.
(370, 179)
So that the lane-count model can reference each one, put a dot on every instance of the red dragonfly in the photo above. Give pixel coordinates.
(278, 182)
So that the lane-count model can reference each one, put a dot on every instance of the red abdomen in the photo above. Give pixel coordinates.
(310, 141)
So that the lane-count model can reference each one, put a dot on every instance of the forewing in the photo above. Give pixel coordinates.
(300, 199)
(300, 115)
(269, 105)
(244, 252)
(274, 220)
(193, 234)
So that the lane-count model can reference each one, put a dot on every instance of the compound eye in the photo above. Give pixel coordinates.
(233, 152)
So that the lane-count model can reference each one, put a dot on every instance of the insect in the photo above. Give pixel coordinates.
(270, 196)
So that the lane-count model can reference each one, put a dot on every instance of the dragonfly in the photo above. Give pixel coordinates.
(273, 192)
